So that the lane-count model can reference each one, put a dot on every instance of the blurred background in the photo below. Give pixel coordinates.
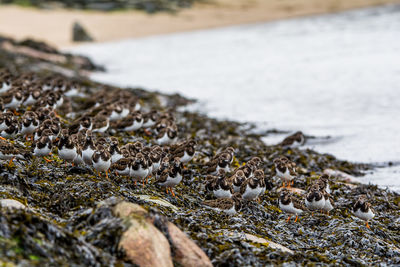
(329, 68)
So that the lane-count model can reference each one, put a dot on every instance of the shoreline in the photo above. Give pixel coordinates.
(55, 26)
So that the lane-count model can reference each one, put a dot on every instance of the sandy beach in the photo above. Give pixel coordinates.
(55, 26)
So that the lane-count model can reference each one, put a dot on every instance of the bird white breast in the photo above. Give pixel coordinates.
(366, 216)
(5, 156)
(60, 102)
(137, 106)
(41, 152)
(3, 126)
(251, 193)
(328, 188)
(236, 188)
(165, 140)
(67, 154)
(6, 135)
(135, 126)
(72, 92)
(328, 205)
(148, 124)
(186, 158)
(171, 182)
(5, 87)
(29, 101)
(103, 129)
(46, 87)
(115, 157)
(14, 104)
(124, 172)
(87, 155)
(285, 176)
(230, 211)
(315, 205)
(140, 173)
(156, 166)
(289, 208)
(226, 169)
(221, 193)
(78, 160)
(28, 130)
(102, 165)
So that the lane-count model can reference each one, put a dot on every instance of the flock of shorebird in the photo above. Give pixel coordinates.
(89, 140)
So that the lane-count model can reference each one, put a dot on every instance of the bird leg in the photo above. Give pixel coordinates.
(11, 161)
(48, 160)
(297, 217)
(166, 190)
(172, 192)
(366, 224)
(288, 219)
(147, 132)
(107, 175)
(2, 138)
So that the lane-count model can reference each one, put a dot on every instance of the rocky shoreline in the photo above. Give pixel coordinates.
(68, 215)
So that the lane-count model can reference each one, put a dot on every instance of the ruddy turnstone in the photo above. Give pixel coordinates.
(30, 122)
(295, 140)
(150, 119)
(122, 166)
(13, 98)
(290, 204)
(85, 122)
(285, 170)
(7, 151)
(139, 168)
(323, 183)
(229, 206)
(167, 136)
(32, 95)
(252, 187)
(114, 150)
(171, 177)
(43, 146)
(101, 160)
(100, 123)
(237, 180)
(66, 147)
(5, 83)
(363, 210)
(221, 163)
(118, 111)
(88, 148)
(315, 199)
(220, 185)
(185, 151)
(130, 123)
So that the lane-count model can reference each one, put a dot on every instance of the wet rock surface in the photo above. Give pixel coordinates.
(71, 217)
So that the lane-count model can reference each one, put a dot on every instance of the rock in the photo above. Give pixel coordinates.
(143, 243)
(263, 241)
(342, 175)
(187, 253)
(12, 204)
(79, 34)
(158, 201)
